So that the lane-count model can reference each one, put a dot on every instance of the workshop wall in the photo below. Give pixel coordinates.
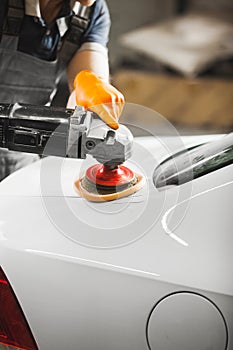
(129, 15)
(214, 5)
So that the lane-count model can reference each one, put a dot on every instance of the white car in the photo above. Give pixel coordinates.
(150, 271)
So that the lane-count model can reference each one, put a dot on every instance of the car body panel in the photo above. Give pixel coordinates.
(88, 275)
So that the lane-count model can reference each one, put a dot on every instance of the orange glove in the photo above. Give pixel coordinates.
(99, 96)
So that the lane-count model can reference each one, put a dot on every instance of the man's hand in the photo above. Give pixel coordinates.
(99, 96)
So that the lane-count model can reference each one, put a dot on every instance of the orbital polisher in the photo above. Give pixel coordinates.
(74, 134)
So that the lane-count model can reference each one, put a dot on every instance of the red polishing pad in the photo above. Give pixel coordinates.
(106, 176)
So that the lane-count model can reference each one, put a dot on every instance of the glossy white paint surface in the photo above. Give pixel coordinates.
(89, 274)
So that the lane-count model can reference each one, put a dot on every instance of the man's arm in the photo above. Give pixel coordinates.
(95, 61)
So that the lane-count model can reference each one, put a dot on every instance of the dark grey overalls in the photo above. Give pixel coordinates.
(28, 79)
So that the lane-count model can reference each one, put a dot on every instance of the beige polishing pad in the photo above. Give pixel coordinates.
(94, 197)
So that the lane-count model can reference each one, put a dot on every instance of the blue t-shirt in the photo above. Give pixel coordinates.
(40, 41)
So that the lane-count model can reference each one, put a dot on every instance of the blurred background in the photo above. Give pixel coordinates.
(175, 57)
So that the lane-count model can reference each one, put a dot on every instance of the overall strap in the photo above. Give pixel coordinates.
(76, 28)
(13, 15)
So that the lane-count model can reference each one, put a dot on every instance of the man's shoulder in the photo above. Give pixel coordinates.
(101, 12)
(98, 30)
(100, 6)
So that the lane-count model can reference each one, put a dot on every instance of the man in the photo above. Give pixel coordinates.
(39, 38)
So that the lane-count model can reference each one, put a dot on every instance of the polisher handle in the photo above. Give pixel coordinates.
(27, 128)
